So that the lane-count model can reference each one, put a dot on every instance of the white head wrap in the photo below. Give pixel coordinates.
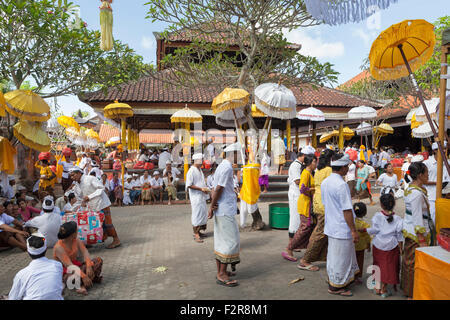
(344, 161)
(197, 156)
(11, 178)
(20, 188)
(308, 150)
(168, 162)
(46, 206)
(37, 251)
(156, 173)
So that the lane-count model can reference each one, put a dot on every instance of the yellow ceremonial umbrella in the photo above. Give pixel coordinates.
(229, 99)
(186, 116)
(381, 131)
(31, 135)
(398, 52)
(414, 122)
(120, 111)
(329, 135)
(92, 134)
(68, 122)
(27, 105)
(348, 133)
(2, 105)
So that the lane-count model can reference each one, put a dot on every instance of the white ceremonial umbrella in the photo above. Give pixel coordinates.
(423, 131)
(362, 112)
(364, 129)
(431, 106)
(311, 114)
(276, 101)
(335, 12)
(226, 119)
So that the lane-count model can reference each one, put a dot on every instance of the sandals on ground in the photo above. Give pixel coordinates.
(342, 292)
(227, 283)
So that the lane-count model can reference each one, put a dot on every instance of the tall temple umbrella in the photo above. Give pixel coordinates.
(276, 101)
(68, 122)
(422, 131)
(311, 114)
(335, 12)
(431, 106)
(410, 115)
(186, 116)
(362, 113)
(228, 109)
(398, 52)
(27, 105)
(120, 111)
(381, 131)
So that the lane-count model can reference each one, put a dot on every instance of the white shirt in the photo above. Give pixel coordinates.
(144, 158)
(145, 180)
(265, 165)
(97, 171)
(85, 164)
(351, 175)
(60, 203)
(387, 181)
(157, 182)
(209, 152)
(163, 158)
(48, 224)
(383, 159)
(175, 172)
(405, 167)
(431, 164)
(112, 183)
(136, 183)
(93, 188)
(40, 280)
(371, 169)
(386, 234)
(227, 203)
(5, 219)
(128, 185)
(67, 165)
(295, 171)
(415, 203)
(336, 199)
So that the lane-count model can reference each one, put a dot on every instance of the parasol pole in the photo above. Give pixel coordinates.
(341, 135)
(239, 134)
(422, 101)
(442, 129)
(186, 165)
(314, 136)
(266, 125)
(296, 139)
(288, 134)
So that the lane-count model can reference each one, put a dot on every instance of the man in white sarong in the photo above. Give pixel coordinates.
(340, 228)
(91, 191)
(195, 182)
(41, 279)
(295, 170)
(226, 230)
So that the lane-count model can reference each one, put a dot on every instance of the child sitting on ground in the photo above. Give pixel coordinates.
(387, 244)
(364, 238)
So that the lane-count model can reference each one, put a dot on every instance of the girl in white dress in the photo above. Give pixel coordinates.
(388, 180)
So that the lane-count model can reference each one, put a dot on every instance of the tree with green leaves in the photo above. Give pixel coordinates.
(45, 42)
(255, 27)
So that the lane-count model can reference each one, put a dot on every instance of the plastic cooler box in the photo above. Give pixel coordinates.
(279, 215)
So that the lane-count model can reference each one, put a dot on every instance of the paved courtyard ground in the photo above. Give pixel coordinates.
(154, 236)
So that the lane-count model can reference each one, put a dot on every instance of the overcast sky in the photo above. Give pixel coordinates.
(345, 46)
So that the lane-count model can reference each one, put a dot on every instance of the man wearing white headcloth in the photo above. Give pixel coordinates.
(198, 191)
(95, 170)
(431, 164)
(48, 223)
(340, 228)
(9, 191)
(209, 151)
(91, 191)
(41, 279)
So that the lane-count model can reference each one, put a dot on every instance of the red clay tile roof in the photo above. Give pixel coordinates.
(399, 109)
(163, 136)
(209, 32)
(360, 76)
(151, 90)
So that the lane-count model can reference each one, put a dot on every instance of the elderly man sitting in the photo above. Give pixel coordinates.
(157, 185)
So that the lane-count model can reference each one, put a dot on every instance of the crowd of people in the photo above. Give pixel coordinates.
(326, 214)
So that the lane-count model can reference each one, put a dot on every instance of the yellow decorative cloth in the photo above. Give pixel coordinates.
(7, 152)
(319, 176)
(364, 237)
(250, 190)
(304, 201)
